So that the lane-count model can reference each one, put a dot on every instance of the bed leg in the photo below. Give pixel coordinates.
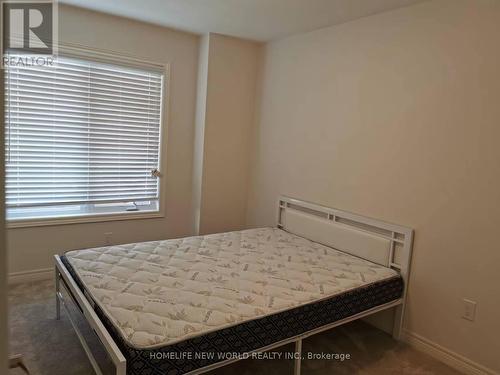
(298, 357)
(58, 302)
(397, 328)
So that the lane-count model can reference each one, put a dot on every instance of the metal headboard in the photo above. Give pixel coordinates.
(387, 244)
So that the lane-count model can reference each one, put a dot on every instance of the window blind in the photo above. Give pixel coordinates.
(81, 132)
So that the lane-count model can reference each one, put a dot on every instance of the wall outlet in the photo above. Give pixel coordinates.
(108, 238)
(469, 311)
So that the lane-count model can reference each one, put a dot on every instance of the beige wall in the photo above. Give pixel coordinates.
(226, 92)
(32, 248)
(396, 116)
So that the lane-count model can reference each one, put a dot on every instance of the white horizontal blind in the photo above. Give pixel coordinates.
(81, 132)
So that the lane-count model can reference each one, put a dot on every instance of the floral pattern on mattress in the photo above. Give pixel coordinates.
(161, 292)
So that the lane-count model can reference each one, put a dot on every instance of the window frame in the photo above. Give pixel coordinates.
(112, 57)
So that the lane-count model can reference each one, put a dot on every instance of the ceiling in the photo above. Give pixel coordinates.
(261, 20)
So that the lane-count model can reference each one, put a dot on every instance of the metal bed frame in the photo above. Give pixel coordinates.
(299, 217)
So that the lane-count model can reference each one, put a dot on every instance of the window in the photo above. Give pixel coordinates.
(82, 138)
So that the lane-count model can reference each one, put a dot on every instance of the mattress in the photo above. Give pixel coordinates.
(227, 292)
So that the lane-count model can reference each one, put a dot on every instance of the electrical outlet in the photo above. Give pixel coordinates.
(108, 238)
(469, 310)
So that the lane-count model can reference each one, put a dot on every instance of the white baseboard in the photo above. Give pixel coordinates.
(452, 359)
(28, 276)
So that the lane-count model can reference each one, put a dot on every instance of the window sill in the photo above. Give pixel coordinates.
(81, 219)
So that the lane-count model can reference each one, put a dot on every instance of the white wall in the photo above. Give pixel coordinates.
(32, 248)
(396, 116)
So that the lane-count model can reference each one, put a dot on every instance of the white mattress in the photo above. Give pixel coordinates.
(162, 292)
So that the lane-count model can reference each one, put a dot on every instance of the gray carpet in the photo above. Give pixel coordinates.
(51, 347)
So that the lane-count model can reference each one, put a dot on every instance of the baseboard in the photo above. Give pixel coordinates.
(452, 359)
(28, 276)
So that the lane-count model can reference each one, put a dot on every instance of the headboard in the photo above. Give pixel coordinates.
(386, 244)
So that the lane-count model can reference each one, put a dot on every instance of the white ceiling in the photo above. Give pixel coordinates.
(261, 20)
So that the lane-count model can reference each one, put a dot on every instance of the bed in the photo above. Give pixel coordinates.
(193, 304)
